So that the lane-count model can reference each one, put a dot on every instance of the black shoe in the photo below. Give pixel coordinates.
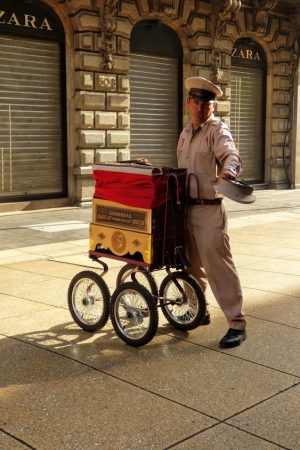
(233, 338)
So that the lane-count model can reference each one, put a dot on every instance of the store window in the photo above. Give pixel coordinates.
(155, 93)
(247, 107)
(32, 102)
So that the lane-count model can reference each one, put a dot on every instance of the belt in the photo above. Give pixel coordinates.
(196, 201)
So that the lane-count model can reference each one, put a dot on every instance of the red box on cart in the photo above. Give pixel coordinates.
(133, 212)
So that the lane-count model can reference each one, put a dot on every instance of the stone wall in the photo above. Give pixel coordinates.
(207, 29)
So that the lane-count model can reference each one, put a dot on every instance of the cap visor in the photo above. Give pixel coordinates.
(236, 197)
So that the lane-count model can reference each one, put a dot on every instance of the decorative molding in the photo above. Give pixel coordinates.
(231, 5)
(293, 64)
(216, 63)
(227, 8)
(261, 14)
(295, 33)
(109, 27)
(167, 7)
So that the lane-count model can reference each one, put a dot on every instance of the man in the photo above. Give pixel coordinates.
(206, 149)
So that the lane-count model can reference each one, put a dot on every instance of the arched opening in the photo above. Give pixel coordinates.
(32, 105)
(155, 92)
(247, 107)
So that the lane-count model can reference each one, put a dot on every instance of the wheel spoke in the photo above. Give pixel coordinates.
(134, 314)
(88, 300)
(133, 321)
(186, 311)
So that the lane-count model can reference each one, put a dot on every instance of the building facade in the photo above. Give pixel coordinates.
(90, 81)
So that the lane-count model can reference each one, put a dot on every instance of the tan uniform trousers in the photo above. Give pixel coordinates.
(209, 253)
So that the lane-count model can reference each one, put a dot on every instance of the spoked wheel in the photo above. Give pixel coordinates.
(140, 275)
(185, 311)
(134, 314)
(88, 300)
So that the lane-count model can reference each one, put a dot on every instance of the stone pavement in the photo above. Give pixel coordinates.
(63, 388)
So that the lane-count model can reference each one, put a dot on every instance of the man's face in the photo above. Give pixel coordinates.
(199, 111)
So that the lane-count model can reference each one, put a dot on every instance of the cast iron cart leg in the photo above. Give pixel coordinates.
(139, 275)
(133, 313)
(88, 300)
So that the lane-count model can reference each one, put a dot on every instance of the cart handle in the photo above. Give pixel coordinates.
(179, 250)
(189, 182)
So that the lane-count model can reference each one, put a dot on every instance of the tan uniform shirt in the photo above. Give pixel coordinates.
(206, 151)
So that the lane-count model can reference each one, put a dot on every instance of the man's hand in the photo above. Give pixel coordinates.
(226, 174)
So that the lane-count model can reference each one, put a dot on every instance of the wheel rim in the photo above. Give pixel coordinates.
(180, 309)
(132, 314)
(87, 301)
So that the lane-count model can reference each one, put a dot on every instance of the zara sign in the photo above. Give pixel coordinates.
(32, 19)
(25, 20)
(247, 52)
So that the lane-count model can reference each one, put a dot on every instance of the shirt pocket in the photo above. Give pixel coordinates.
(205, 163)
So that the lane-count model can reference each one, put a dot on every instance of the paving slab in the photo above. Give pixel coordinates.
(65, 388)
(283, 231)
(12, 255)
(280, 266)
(225, 437)
(244, 260)
(270, 241)
(54, 227)
(53, 249)
(276, 353)
(270, 281)
(266, 250)
(8, 442)
(13, 307)
(65, 397)
(278, 308)
(47, 267)
(51, 292)
(169, 367)
(12, 278)
(192, 372)
(275, 420)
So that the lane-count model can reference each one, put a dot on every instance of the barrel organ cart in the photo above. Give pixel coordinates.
(139, 217)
